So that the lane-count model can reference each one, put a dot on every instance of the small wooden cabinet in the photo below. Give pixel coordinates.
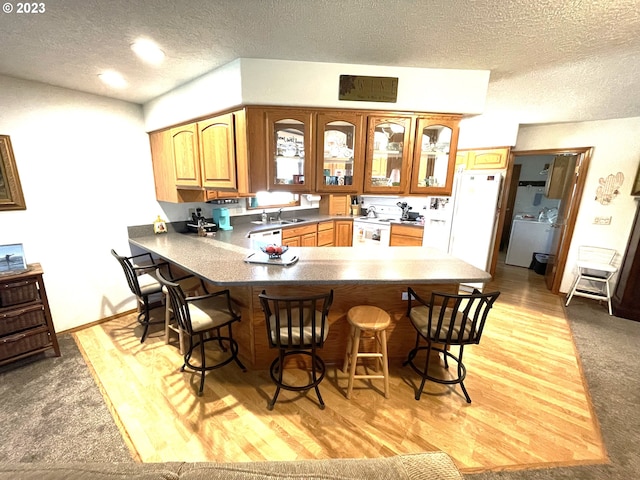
(302, 236)
(406, 235)
(26, 327)
(202, 160)
(483, 159)
(335, 205)
(325, 234)
(343, 233)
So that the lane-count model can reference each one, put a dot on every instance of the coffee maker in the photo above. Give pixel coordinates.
(222, 218)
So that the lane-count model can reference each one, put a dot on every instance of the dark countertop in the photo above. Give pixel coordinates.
(219, 258)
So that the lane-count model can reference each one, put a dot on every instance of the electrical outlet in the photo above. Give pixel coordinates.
(602, 221)
(192, 212)
(405, 296)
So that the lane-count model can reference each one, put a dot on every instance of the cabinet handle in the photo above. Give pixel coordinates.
(12, 315)
(17, 284)
(13, 339)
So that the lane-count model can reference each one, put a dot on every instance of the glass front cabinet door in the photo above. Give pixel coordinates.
(340, 152)
(388, 157)
(290, 150)
(434, 155)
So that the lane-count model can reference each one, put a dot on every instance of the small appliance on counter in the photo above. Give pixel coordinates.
(406, 214)
(221, 217)
(199, 223)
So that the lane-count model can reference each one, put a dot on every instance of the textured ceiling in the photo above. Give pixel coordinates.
(74, 40)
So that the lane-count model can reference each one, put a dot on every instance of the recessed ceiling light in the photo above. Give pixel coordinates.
(113, 79)
(148, 51)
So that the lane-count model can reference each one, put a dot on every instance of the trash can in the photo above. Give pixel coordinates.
(539, 263)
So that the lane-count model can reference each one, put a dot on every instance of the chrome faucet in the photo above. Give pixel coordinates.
(279, 218)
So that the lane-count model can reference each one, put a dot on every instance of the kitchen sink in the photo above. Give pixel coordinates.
(292, 220)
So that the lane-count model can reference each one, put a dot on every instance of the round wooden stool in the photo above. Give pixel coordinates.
(367, 321)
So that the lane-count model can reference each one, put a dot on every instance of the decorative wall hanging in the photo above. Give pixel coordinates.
(11, 197)
(362, 88)
(609, 188)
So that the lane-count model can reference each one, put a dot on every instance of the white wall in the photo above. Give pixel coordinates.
(210, 93)
(85, 168)
(616, 149)
(279, 82)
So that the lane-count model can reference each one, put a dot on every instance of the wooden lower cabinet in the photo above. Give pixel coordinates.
(303, 236)
(406, 235)
(325, 234)
(343, 233)
(26, 327)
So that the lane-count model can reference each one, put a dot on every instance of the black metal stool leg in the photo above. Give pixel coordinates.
(202, 365)
(145, 320)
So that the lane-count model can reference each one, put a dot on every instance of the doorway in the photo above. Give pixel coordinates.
(561, 203)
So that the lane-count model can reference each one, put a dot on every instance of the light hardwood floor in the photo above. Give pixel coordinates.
(531, 407)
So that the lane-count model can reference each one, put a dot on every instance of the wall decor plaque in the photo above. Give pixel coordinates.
(11, 197)
(363, 88)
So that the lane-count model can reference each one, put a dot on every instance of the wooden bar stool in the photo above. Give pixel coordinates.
(367, 321)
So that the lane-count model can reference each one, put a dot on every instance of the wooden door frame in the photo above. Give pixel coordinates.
(582, 165)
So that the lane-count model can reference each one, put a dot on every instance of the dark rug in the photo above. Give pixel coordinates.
(608, 348)
(53, 411)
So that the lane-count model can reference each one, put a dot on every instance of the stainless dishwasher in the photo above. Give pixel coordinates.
(266, 237)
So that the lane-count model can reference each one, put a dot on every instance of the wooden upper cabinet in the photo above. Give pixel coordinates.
(388, 157)
(340, 144)
(434, 157)
(487, 159)
(290, 150)
(186, 157)
(217, 152)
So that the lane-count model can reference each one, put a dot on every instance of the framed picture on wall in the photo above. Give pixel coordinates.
(635, 188)
(11, 197)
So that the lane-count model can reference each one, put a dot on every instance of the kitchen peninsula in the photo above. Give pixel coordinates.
(363, 276)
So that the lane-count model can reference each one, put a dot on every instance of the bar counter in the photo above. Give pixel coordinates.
(358, 276)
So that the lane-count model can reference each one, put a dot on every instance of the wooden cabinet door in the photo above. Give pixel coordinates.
(164, 173)
(309, 240)
(290, 149)
(325, 234)
(340, 144)
(434, 155)
(462, 158)
(343, 230)
(488, 159)
(406, 236)
(291, 241)
(388, 157)
(186, 159)
(217, 152)
(335, 204)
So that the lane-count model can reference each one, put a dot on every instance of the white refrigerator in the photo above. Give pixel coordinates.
(475, 213)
